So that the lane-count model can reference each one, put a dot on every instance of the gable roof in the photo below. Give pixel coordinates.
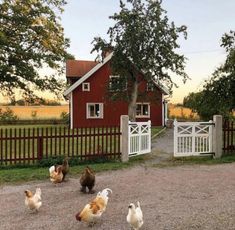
(87, 75)
(97, 67)
(78, 68)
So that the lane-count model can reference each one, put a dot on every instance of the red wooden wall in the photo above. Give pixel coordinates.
(112, 110)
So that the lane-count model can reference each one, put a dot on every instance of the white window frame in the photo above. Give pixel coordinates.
(142, 115)
(85, 86)
(101, 110)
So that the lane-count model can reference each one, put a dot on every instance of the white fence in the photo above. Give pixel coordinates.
(192, 138)
(139, 138)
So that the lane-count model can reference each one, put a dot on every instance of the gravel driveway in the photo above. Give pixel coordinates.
(185, 197)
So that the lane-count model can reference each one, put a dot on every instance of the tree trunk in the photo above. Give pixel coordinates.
(132, 103)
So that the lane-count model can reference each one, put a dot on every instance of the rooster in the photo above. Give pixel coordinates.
(56, 175)
(135, 216)
(87, 179)
(65, 167)
(33, 201)
(93, 211)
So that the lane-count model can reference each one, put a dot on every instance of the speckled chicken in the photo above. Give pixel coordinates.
(87, 179)
(93, 211)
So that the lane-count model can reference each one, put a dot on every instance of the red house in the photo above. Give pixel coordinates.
(90, 106)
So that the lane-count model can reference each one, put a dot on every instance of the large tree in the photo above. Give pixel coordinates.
(31, 38)
(143, 41)
(218, 93)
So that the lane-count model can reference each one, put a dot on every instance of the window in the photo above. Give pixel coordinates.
(150, 86)
(94, 110)
(86, 86)
(115, 84)
(142, 110)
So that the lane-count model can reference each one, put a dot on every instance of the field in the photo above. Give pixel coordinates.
(54, 112)
(181, 112)
(37, 112)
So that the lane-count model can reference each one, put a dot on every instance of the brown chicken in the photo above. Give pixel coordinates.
(64, 166)
(87, 179)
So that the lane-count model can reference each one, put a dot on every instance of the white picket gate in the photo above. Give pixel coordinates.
(139, 138)
(192, 138)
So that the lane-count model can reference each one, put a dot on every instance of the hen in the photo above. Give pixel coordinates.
(135, 216)
(65, 167)
(87, 179)
(93, 211)
(33, 201)
(56, 175)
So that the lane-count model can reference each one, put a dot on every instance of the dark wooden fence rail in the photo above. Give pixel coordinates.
(228, 137)
(28, 145)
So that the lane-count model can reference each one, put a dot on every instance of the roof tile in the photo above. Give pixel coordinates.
(78, 68)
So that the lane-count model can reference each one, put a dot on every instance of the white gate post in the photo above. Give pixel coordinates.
(124, 122)
(175, 137)
(217, 136)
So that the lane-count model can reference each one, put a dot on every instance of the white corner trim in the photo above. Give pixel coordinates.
(87, 75)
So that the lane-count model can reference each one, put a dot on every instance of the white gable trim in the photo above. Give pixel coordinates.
(93, 70)
(162, 88)
(87, 75)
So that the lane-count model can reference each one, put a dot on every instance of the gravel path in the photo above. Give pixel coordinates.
(185, 197)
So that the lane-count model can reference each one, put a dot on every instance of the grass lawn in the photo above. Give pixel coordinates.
(33, 173)
(206, 160)
(20, 175)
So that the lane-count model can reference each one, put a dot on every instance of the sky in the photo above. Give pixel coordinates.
(206, 20)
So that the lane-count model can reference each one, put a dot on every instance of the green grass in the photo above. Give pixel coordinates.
(33, 173)
(155, 130)
(204, 160)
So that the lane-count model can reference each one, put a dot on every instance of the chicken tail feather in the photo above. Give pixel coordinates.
(52, 169)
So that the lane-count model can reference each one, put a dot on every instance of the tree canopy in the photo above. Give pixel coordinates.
(218, 93)
(31, 38)
(143, 40)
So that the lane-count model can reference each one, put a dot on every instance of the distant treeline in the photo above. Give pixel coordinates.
(40, 101)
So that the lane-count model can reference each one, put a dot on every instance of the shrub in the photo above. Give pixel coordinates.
(8, 115)
(65, 117)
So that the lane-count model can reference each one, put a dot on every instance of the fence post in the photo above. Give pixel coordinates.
(40, 147)
(217, 143)
(124, 122)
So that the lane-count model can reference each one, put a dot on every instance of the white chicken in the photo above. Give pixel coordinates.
(135, 216)
(93, 211)
(33, 201)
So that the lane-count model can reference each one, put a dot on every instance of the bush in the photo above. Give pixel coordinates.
(65, 117)
(47, 162)
(73, 161)
(8, 115)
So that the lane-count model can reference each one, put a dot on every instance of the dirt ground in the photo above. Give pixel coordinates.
(186, 197)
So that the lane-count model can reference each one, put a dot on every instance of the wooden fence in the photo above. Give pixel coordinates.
(228, 137)
(28, 145)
